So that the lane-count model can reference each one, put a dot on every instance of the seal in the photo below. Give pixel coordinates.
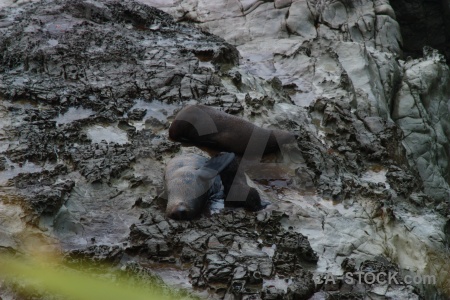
(213, 130)
(189, 182)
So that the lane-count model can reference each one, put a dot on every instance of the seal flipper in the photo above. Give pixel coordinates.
(215, 165)
(230, 177)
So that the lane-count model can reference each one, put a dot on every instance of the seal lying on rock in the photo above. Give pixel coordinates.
(190, 180)
(214, 130)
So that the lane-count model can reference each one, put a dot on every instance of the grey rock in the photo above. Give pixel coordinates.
(96, 255)
(300, 20)
(421, 112)
(3, 163)
(301, 288)
(137, 114)
(367, 178)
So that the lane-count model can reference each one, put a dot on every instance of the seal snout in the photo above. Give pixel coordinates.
(180, 212)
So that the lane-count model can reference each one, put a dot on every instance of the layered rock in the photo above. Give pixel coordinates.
(88, 90)
(421, 109)
(349, 53)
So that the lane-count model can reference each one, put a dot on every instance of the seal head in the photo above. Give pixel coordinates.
(190, 180)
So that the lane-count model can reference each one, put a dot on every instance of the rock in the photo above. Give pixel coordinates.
(3, 163)
(102, 161)
(365, 182)
(282, 3)
(157, 247)
(272, 293)
(348, 265)
(384, 8)
(95, 255)
(239, 273)
(374, 124)
(300, 20)
(86, 76)
(423, 120)
(137, 114)
(300, 289)
(297, 244)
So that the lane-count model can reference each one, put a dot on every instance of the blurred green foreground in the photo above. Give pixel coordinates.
(67, 283)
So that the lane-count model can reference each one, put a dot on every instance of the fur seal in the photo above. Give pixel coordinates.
(190, 180)
(211, 129)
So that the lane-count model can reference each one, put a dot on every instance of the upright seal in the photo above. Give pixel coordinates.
(214, 130)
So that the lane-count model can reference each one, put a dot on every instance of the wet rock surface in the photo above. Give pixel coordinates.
(225, 256)
(87, 92)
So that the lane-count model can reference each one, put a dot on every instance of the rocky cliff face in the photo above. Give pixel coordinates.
(87, 91)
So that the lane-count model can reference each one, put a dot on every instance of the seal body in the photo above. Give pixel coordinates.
(211, 129)
(190, 180)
